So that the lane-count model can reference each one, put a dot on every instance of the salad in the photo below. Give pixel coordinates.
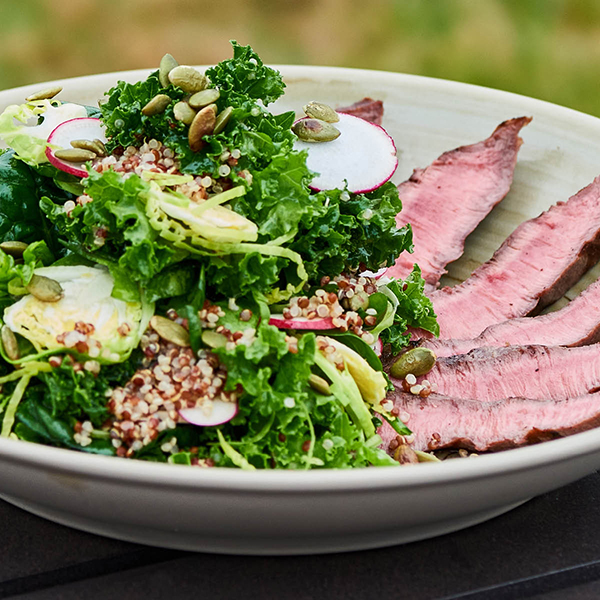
(173, 289)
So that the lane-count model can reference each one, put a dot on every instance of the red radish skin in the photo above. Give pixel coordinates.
(364, 155)
(82, 128)
(301, 323)
(222, 412)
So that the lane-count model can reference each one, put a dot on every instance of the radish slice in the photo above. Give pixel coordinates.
(301, 323)
(364, 155)
(378, 346)
(83, 128)
(375, 275)
(221, 413)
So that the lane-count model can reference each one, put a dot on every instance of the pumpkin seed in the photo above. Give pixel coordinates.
(188, 79)
(157, 105)
(319, 385)
(183, 112)
(102, 147)
(167, 64)
(318, 110)
(203, 124)
(44, 94)
(90, 145)
(315, 130)
(45, 289)
(426, 456)
(222, 119)
(9, 343)
(14, 248)
(75, 155)
(204, 98)
(213, 339)
(418, 361)
(170, 331)
(405, 455)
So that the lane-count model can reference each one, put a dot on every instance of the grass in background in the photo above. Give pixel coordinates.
(548, 49)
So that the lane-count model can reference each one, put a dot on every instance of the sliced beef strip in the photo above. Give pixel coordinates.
(577, 324)
(443, 422)
(367, 109)
(490, 374)
(446, 201)
(534, 267)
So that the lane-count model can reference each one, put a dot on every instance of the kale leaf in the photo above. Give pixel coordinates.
(114, 230)
(414, 310)
(246, 75)
(122, 113)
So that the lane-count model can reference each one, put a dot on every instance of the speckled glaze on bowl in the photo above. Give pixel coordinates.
(232, 511)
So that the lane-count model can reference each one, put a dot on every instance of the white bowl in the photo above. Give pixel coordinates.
(276, 512)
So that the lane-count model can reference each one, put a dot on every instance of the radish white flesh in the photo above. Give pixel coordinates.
(220, 413)
(378, 347)
(364, 155)
(83, 128)
(301, 322)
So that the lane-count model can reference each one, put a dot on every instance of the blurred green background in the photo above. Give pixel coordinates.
(548, 49)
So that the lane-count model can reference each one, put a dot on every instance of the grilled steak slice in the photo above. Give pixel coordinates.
(367, 109)
(490, 374)
(447, 200)
(442, 422)
(577, 324)
(534, 267)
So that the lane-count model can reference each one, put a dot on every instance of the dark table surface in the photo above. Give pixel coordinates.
(548, 548)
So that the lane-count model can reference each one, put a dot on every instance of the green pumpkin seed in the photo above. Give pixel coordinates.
(319, 385)
(188, 79)
(203, 124)
(170, 331)
(167, 64)
(426, 456)
(405, 455)
(9, 343)
(157, 105)
(14, 248)
(418, 361)
(315, 130)
(90, 145)
(213, 339)
(102, 147)
(45, 289)
(318, 110)
(75, 155)
(222, 119)
(183, 112)
(44, 94)
(204, 98)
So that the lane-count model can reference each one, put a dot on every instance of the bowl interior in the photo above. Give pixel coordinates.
(560, 155)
